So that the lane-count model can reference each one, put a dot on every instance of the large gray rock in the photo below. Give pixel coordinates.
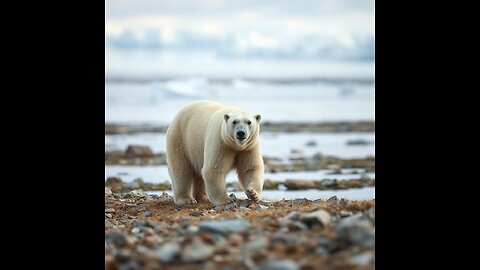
(356, 230)
(225, 226)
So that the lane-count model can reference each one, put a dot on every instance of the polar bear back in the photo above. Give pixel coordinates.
(188, 129)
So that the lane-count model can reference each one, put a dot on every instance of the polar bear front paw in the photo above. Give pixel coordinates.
(252, 194)
(185, 201)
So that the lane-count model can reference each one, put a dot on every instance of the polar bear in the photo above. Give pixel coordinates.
(205, 141)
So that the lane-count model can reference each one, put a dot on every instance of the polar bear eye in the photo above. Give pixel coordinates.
(235, 122)
(249, 122)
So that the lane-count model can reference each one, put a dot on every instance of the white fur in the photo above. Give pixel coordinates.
(202, 149)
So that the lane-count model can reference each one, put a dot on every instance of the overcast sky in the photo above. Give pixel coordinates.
(261, 20)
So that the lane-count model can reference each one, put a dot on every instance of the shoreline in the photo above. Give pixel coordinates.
(267, 126)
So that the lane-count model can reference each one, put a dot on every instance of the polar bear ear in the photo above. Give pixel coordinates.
(226, 117)
(258, 117)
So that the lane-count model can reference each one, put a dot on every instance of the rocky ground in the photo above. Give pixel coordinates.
(151, 232)
(323, 127)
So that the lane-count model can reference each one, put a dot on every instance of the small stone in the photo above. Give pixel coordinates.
(279, 265)
(299, 201)
(139, 182)
(363, 259)
(132, 185)
(139, 151)
(356, 230)
(122, 255)
(192, 229)
(297, 226)
(130, 265)
(140, 223)
(290, 216)
(141, 249)
(219, 208)
(311, 143)
(108, 191)
(197, 251)
(259, 243)
(261, 207)
(245, 203)
(299, 184)
(225, 226)
(333, 199)
(110, 210)
(114, 183)
(230, 206)
(196, 213)
(108, 215)
(118, 239)
(371, 215)
(320, 251)
(160, 227)
(235, 239)
(320, 217)
(168, 251)
(136, 230)
(137, 192)
(345, 213)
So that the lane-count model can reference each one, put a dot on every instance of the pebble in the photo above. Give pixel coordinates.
(279, 265)
(320, 217)
(290, 216)
(261, 207)
(122, 255)
(168, 251)
(230, 205)
(356, 230)
(118, 239)
(225, 226)
(299, 201)
(363, 259)
(196, 251)
(344, 213)
(235, 239)
(110, 210)
(333, 199)
(259, 243)
(297, 226)
(245, 203)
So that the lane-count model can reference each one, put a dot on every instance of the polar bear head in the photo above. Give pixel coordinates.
(242, 128)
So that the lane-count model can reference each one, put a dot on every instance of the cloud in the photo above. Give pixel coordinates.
(246, 28)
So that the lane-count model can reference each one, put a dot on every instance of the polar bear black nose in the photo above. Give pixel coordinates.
(240, 134)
